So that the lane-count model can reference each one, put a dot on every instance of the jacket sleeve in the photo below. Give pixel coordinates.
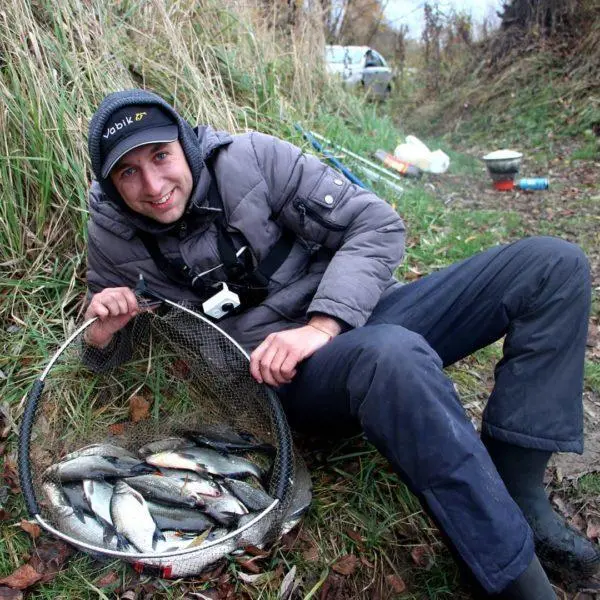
(322, 206)
(101, 274)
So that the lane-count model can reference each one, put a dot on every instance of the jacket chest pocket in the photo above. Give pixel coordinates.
(321, 213)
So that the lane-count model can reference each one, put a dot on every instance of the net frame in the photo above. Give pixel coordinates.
(264, 528)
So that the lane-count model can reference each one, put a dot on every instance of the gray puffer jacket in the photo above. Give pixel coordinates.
(348, 241)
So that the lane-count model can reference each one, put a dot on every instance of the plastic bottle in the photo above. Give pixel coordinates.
(534, 183)
(404, 168)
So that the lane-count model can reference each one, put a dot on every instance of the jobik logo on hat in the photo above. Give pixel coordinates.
(132, 127)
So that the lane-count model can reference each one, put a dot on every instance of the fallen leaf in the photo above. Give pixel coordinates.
(333, 588)
(422, 556)
(288, 584)
(10, 476)
(212, 575)
(346, 565)
(249, 565)
(251, 579)
(396, 583)
(312, 554)
(32, 529)
(139, 408)
(354, 535)
(117, 428)
(365, 562)
(288, 540)
(255, 551)
(211, 594)
(107, 579)
(50, 557)
(25, 576)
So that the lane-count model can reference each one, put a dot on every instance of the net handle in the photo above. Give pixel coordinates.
(26, 483)
(284, 457)
(31, 404)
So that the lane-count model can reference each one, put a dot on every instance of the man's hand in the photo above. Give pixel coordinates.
(114, 307)
(274, 361)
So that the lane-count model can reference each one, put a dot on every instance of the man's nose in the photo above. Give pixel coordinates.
(152, 182)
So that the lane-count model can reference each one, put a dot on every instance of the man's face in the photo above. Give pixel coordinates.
(155, 181)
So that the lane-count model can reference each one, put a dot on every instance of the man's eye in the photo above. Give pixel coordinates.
(127, 172)
(161, 155)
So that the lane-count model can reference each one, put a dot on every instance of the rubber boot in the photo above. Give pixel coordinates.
(532, 584)
(561, 549)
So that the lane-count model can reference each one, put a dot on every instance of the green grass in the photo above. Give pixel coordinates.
(230, 70)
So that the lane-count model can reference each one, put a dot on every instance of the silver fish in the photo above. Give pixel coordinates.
(216, 534)
(225, 509)
(165, 445)
(99, 450)
(223, 465)
(174, 491)
(174, 540)
(98, 495)
(300, 500)
(96, 467)
(252, 498)
(132, 518)
(55, 494)
(178, 518)
(75, 496)
(182, 474)
(224, 439)
(205, 460)
(84, 527)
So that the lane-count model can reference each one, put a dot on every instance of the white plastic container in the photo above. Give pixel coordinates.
(415, 152)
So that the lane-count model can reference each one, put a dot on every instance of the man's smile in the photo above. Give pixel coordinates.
(165, 200)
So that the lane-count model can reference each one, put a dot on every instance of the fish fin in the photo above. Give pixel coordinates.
(109, 532)
(78, 512)
(156, 536)
(187, 455)
(143, 469)
(122, 542)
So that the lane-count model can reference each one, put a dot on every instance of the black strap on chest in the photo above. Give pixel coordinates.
(248, 282)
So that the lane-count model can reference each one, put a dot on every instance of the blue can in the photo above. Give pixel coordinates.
(534, 183)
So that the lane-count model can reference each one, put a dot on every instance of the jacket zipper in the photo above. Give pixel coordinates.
(304, 210)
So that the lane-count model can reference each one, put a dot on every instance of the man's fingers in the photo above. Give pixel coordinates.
(255, 359)
(288, 367)
(275, 368)
(265, 363)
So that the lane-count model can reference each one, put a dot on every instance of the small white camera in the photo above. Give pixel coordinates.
(222, 303)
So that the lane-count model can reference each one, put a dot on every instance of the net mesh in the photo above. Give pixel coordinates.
(166, 373)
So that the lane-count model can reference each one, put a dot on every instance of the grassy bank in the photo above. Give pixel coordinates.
(228, 66)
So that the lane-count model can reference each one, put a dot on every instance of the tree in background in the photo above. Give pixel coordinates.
(431, 38)
(546, 17)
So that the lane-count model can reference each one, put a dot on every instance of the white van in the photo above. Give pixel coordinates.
(360, 65)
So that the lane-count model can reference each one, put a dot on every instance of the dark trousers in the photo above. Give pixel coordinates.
(387, 379)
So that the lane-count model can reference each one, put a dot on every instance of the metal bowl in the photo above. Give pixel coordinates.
(503, 162)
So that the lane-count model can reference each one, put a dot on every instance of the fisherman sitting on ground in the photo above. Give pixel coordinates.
(346, 345)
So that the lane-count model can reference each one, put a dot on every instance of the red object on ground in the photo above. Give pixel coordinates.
(505, 185)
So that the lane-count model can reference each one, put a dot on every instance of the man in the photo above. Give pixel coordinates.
(344, 343)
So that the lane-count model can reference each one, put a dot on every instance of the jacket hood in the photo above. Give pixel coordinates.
(197, 144)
